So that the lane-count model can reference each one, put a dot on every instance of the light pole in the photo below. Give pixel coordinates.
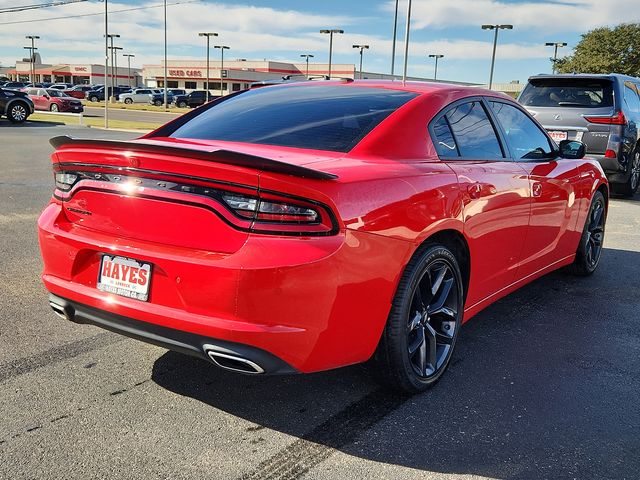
(33, 38)
(32, 52)
(222, 49)
(393, 45)
(331, 32)
(110, 36)
(129, 57)
(208, 35)
(362, 48)
(166, 105)
(307, 56)
(406, 42)
(495, 43)
(555, 46)
(114, 53)
(106, 62)
(436, 56)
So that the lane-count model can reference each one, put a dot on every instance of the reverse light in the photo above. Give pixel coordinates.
(64, 181)
(617, 119)
(266, 211)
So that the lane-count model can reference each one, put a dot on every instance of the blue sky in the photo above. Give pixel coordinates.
(283, 29)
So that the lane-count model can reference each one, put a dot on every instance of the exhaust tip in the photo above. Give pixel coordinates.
(232, 362)
(62, 311)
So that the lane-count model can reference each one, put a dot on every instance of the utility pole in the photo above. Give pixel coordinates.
(495, 43)
(115, 63)
(106, 62)
(362, 48)
(129, 57)
(393, 45)
(32, 58)
(555, 46)
(436, 56)
(166, 105)
(406, 43)
(307, 56)
(107, 98)
(208, 35)
(331, 32)
(222, 49)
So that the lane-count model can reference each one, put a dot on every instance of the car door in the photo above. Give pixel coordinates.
(555, 184)
(39, 99)
(495, 194)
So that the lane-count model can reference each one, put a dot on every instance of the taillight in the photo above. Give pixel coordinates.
(64, 180)
(610, 153)
(267, 211)
(617, 119)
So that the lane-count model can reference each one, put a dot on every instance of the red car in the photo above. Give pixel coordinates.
(53, 100)
(307, 226)
(78, 91)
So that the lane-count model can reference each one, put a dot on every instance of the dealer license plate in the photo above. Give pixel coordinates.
(558, 136)
(124, 276)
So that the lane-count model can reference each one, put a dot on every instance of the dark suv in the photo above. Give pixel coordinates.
(15, 105)
(194, 99)
(603, 111)
(97, 95)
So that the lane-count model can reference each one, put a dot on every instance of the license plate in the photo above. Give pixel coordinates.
(559, 136)
(124, 276)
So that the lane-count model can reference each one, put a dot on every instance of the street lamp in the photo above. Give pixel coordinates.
(114, 54)
(393, 46)
(495, 42)
(331, 32)
(32, 52)
(208, 35)
(436, 56)
(222, 49)
(555, 46)
(129, 57)
(307, 56)
(32, 59)
(362, 48)
(110, 36)
(166, 104)
(406, 43)
(106, 61)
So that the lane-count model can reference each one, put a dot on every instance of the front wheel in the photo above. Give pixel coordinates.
(422, 328)
(157, 103)
(182, 104)
(590, 247)
(94, 99)
(128, 101)
(629, 188)
(18, 113)
(54, 107)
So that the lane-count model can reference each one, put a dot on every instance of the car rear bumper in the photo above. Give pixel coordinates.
(314, 303)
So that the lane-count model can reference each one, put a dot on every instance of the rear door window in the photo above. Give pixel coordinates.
(525, 138)
(568, 92)
(631, 97)
(473, 133)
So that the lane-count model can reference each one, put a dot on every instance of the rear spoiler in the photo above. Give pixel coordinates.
(228, 157)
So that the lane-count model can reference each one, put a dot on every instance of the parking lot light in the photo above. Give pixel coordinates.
(208, 35)
(222, 49)
(307, 56)
(330, 32)
(393, 44)
(110, 36)
(406, 43)
(495, 43)
(32, 59)
(129, 57)
(435, 71)
(362, 48)
(555, 46)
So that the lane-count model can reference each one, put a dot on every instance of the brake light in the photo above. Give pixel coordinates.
(610, 154)
(266, 211)
(617, 119)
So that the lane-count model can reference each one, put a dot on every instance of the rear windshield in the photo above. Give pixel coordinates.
(320, 117)
(568, 92)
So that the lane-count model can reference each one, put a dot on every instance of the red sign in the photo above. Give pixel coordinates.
(80, 69)
(185, 73)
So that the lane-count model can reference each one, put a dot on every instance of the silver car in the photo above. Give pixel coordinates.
(602, 111)
(138, 95)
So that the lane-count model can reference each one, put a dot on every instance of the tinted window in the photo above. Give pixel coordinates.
(568, 92)
(473, 133)
(631, 97)
(444, 141)
(324, 117)
(525, 138)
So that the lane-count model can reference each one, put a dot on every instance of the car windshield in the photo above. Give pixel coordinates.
(323, 117)
(568, 92)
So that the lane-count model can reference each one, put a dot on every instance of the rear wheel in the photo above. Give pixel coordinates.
(590, 247)
(630, 187)
(422, 328)
(18, 112)
(182, 104)
(157, 103)
(94, 99)
(54, 107)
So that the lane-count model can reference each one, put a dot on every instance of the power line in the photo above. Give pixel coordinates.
(38, 6)
(66, 17)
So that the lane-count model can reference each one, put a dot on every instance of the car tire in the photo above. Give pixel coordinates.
(182, 104)
(422, 328)
(128, 101)
(18, 112)
(94, 99)
(54, 108)
(157, 103)
(591, 241)
(630, 187)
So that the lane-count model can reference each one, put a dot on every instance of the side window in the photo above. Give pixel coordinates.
(444, 141)
(473, 133)
(631, 97)
(525, 138)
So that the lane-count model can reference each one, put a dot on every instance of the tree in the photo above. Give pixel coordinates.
(606, 50)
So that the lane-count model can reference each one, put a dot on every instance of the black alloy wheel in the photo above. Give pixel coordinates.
(591, 242)
(424, 322)
(634, 181)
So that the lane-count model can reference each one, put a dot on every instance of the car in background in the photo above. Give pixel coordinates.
(138, 95)
(61, 86)
(15, 85)
(50, 99)
(193, 99)
(252, 231)
(78, 91)
(157, 99)
(15, 105)
(97, 94)
(603, 111)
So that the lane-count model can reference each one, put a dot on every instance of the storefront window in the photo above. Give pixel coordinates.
(172, 83)
(192, 85)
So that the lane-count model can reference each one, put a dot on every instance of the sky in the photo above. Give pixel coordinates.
(284, 29)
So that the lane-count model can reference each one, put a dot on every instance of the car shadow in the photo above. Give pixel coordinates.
(543, 384)
(30, 124)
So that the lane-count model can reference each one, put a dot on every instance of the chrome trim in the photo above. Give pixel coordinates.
(212, 352)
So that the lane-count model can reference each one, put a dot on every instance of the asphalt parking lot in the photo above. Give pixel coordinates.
(544, 384)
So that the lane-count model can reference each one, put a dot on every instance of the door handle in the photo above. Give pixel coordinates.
(536, 189)
(475, 190)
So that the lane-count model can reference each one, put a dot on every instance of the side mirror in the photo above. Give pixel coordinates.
(572, 149)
